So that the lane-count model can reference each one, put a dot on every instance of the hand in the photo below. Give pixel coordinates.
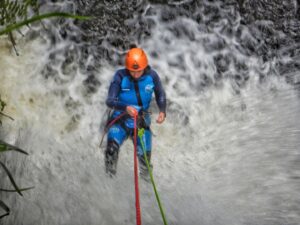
(132, 111)
(161, 117)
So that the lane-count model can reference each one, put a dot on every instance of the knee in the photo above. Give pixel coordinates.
(112, 148)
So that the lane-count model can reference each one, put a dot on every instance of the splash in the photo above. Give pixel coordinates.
(227, 153)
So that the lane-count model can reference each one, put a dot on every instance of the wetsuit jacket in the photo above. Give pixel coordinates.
(126, 91)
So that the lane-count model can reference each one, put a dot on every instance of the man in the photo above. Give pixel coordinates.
(131, 92)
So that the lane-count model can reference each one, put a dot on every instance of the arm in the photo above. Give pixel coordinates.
(160, 97)
(160, 94)
(112, 100)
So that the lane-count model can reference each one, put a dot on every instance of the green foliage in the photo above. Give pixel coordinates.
(7, 147)
(2, 104)
(5, 208)
(12, 11)
(4, 147)
(13, 15)
(15, 26)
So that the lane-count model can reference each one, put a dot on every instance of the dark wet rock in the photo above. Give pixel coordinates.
(241, 79)
(212, 12)
(110, 20)
(168, 15)
(278, 24)
(222, 63)
(260, 28)
(198, 18)
(206, 81)
(71, 105)
(240, 65)
(69, 64)
(63, 33)
(159, 1)
(49, 72)
(92, 84)
(178, 62)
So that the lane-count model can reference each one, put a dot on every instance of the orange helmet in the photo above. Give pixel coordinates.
(136, 59)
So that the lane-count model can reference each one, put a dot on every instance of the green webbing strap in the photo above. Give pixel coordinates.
(140, 134)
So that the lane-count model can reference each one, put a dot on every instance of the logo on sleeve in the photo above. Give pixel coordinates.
(149, 88)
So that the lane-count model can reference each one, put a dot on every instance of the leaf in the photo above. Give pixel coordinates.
(3, 104)
(11, 179)
(12, 11)
(41, 17)
(3, 147)
(7, 147)
(21, 189)
(3, 114)
(5, 208)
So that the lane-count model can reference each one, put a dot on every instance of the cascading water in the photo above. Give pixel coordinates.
(227, 154)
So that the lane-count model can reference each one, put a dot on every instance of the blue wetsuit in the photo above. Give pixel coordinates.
(126, 91)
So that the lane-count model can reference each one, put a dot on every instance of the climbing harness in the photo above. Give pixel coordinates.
(109, 126)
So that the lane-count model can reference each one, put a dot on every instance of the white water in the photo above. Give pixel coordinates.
(236, 160)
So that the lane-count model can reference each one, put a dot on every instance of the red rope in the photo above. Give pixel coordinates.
(136, 177)
(113, 121)
(109, 125)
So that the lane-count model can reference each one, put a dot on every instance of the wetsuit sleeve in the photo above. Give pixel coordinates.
(160, 94)
(112, 100)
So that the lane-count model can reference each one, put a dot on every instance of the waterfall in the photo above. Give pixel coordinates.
(228, 152)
